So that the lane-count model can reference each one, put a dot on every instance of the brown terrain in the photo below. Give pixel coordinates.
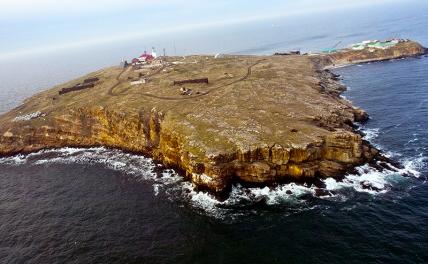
(260, 119)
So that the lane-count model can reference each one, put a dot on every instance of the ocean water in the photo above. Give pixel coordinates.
(104, 206)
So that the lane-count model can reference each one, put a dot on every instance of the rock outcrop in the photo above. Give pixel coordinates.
(260, 120)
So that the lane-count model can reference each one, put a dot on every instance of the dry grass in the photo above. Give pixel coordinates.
(234, 110)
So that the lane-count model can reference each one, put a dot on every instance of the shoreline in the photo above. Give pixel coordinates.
(373, 61)
(156, 132)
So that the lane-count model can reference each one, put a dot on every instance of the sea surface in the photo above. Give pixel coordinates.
(100, 205)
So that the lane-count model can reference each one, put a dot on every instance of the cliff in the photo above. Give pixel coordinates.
(259, 120)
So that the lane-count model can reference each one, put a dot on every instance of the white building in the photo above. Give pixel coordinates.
(154, 52)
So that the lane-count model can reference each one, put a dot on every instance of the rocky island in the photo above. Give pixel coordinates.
(252, 119)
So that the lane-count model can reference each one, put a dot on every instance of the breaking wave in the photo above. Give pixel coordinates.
(112, 159)
(370, 133)
(242, 200)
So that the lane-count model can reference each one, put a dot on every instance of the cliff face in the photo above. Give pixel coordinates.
(149, 133)
(260, 120)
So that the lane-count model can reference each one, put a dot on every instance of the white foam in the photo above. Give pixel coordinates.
(170, 183)
(156, 189)
(241, 196)
(281, 193)
(14, 160)
(370, 133)
(113, 159)
(331, 184)
(414, 166)
(369, 181)
(169, 176)
(202, 200)
(391, 154)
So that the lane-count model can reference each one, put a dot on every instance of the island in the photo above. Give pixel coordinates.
(216, 119)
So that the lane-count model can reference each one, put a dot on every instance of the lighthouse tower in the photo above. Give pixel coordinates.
(154, 52)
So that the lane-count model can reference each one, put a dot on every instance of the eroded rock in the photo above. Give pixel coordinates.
(273, 119)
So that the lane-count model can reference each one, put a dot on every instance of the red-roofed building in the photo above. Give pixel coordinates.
(146, 58)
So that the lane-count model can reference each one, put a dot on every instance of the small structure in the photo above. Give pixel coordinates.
(87, 83)
(366, 42)
(124, 64)
(376, 44)
(138, 82)
(146, 58)
(219, 56)
(292, 52)
(185, 91)
(91, 80)
(332, 49)
(358, 46)
(77, 87)
(203, 80)
(30, 116)
(154, 55)
(329, 50)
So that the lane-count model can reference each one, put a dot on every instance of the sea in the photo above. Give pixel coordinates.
(98, 205)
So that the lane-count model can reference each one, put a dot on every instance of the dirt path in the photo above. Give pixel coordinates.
(118, 81)
(248, 74)
(111, 90)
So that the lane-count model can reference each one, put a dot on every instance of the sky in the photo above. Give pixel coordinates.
(29, 26)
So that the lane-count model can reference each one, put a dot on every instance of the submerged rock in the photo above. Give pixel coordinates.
(360, 115)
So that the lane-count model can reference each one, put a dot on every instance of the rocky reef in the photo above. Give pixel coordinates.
(259, 120)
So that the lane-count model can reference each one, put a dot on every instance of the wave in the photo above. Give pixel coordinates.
(369, 133)
(242, 200)
(112, 159)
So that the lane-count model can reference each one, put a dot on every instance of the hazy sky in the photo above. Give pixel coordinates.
(40, 25)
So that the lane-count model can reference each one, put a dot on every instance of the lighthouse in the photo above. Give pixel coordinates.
(154, 52)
